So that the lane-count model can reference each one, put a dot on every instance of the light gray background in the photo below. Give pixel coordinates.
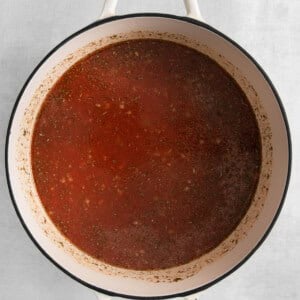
(268, 29)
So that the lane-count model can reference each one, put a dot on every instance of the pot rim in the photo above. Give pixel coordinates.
(233, 43)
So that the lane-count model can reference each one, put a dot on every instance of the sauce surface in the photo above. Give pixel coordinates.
(146, 154)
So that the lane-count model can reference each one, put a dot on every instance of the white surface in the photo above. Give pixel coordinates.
(269, 30)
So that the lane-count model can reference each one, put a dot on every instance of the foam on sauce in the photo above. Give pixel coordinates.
(146, 154)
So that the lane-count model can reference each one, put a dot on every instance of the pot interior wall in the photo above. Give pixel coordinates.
(230, 252)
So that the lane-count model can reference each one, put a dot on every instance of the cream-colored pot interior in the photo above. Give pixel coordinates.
(269, 193)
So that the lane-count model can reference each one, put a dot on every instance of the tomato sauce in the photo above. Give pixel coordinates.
(146, 154)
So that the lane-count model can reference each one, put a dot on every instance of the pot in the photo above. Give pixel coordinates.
(199, 274)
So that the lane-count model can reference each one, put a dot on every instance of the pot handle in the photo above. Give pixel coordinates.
(191, 7)
(105, 297)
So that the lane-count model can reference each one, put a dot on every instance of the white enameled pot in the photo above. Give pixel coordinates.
(189, 279)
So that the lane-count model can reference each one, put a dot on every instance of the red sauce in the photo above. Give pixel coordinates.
(146, 154)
